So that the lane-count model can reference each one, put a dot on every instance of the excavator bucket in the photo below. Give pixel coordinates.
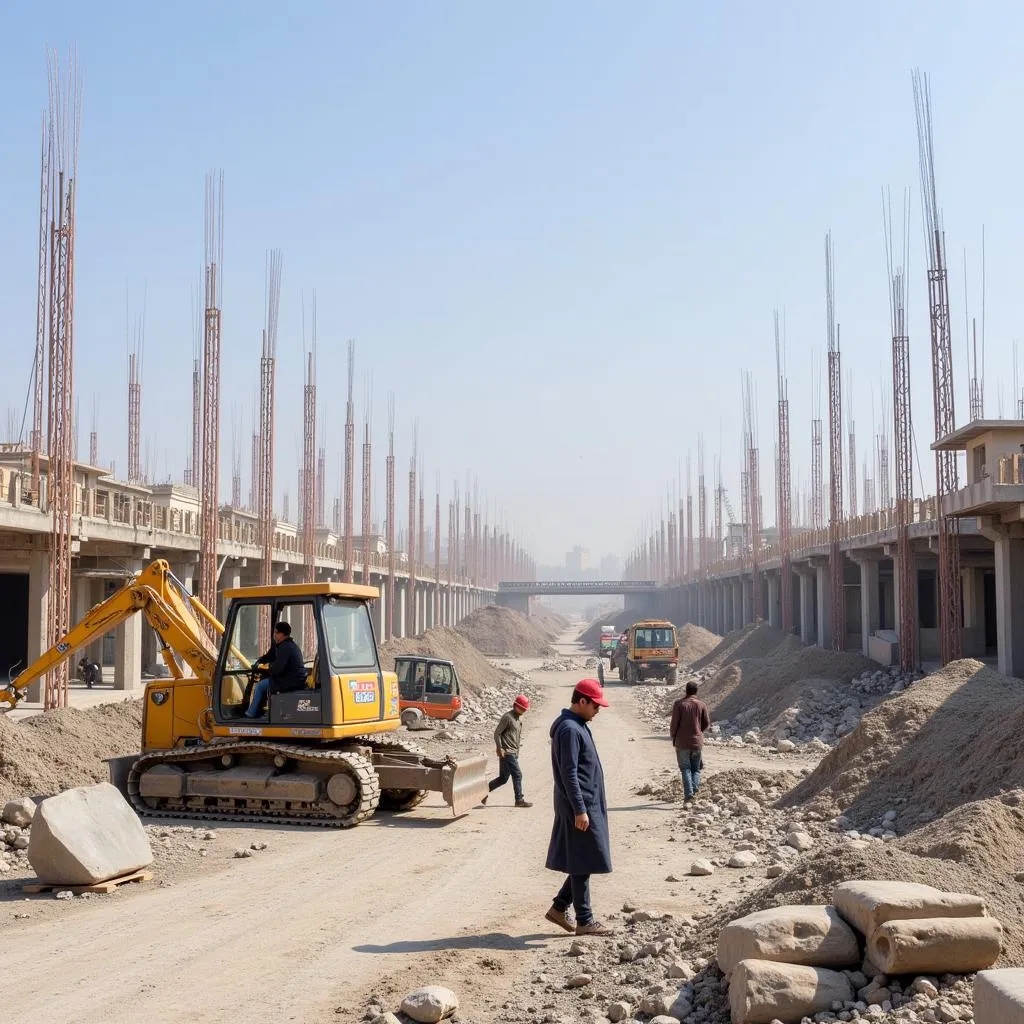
(464, 783)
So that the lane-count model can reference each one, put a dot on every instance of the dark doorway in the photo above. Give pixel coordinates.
(14, 635)
(991, 640)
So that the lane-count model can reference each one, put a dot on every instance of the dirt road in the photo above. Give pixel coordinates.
(307, 930)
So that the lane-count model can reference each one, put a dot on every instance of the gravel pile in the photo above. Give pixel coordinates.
(48, 753)
(501, 632)
(474, 728)
(784, 709)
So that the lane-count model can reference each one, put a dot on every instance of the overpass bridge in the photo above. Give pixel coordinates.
(516, 594)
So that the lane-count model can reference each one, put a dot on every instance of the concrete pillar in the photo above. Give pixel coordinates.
(38, 609)
(806, 577)
(1009, 552)
(399, 622)
(81, 602)
(230, 577)
(748, 600)
(774, 605)
(823, 582)
(128, 654)
(737, 602)
(869, 600)
(94, 651)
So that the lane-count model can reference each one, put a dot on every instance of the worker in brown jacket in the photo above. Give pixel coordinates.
(690, 720)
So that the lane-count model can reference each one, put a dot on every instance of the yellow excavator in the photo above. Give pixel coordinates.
(320, 755)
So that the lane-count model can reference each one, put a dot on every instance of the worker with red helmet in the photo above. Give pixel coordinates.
(507, 738)
(579, 844)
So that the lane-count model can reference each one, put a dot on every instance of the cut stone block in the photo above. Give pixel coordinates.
(814, 936)
(866, 905)
(999, 997)
(87, 835)
(761, 991)
(936, 945)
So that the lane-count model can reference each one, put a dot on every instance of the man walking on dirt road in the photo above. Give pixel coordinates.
(507, 737)
(579, 844)
(690, 720)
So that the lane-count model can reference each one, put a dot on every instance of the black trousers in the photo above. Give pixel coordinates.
(576, 891)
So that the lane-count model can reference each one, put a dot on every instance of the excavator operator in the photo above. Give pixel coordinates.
(282, 669)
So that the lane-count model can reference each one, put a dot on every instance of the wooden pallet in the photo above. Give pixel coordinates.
(99, 887)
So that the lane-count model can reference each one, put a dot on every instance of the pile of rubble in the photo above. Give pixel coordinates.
(822, 711)
(563, 663)
(480, 714)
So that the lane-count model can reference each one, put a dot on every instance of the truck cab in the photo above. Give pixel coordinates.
(650, 651)
(427, 688)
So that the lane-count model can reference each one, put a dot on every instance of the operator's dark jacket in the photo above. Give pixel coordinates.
(579, 788)
(286, 670)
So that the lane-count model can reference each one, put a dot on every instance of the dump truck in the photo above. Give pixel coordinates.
(427, 688)
(648, 650)
(324, 754)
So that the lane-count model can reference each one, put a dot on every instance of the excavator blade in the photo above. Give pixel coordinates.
(464, 783)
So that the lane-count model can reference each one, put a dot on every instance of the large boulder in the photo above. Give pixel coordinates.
(815, 936)
(87, 835)
(430, 1004)
(999, 997)
(936, 945)
(761, 991)
(18, 812)
(866, 905)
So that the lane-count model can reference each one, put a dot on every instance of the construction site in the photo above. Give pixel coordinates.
(250, 702)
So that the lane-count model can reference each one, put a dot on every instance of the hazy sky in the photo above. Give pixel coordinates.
(557, 231)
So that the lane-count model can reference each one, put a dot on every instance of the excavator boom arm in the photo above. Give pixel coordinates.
(169, 610)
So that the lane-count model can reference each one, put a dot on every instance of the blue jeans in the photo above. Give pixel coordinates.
(509, 769)
(575, 890)
(690, 764)
(259, 695)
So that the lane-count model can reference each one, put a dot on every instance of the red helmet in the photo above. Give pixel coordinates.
(592, 689)
(521, 702)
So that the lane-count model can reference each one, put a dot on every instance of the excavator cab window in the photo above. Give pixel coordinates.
(349, 635)
(249, 641)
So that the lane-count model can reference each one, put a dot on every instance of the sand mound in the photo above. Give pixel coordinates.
(548, 620)
(502, 632)
(953, 737)
(474, 670)
(54, 751)
(773, 680)
(696, 642)
(754, 641)
(776, 690)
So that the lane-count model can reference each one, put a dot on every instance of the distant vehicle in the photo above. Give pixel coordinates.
(427, 688)
(609, 641)
(648, 650)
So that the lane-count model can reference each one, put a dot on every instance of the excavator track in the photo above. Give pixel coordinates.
(323, 813)
(395, 800)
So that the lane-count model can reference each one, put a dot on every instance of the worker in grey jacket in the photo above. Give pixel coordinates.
(507, 738)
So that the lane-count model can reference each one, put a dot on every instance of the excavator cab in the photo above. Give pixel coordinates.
(334, 633)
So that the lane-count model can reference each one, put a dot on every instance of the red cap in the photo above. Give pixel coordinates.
(521, 702)
(592, 688)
